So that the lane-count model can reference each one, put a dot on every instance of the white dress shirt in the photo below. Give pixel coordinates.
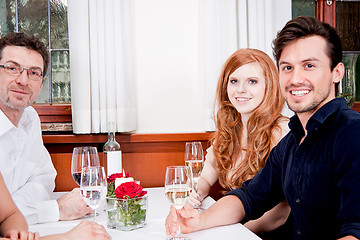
(27, 168)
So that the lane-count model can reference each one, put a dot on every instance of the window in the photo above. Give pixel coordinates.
(303, 8)
(47, 20)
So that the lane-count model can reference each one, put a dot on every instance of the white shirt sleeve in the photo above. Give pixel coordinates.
(28, 170)
(33, 197)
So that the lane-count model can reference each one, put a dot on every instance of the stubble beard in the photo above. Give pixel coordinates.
(310, 107)
(10, 104)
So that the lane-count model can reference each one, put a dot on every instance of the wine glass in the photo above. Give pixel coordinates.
(194, 159)
(93, 186)
(178, 185)
(83, 157)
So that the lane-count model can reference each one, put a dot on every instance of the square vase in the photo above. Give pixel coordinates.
(126, 214)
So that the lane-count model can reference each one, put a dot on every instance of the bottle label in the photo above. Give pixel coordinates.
(114, 163)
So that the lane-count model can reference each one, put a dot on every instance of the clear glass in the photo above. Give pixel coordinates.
(83, 157)
(33, 19)
(111, 144)
(93, 186)
(59, 24)
(44, 94)
(126, 214)
(7, 17)
(303, 8)
(60, 71)
(178, 185)
(112, 152)
(347, 84)
(194, 159)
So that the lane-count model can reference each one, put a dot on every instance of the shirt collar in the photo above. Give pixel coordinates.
(5, 123)
(318, 118)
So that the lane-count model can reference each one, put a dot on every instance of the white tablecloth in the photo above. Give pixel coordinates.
(158, 209)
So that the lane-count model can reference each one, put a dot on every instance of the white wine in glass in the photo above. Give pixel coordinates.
(93, 186)
(194, 159)
(178, 185)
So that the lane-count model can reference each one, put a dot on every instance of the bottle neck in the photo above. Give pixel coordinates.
(111, 136)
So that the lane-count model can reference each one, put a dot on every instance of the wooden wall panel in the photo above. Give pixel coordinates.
(62, 164)
(145, 156)
(149, 168)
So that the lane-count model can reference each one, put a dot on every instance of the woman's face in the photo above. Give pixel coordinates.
(246, 88)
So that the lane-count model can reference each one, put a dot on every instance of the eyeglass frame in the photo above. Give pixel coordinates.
(20, 72)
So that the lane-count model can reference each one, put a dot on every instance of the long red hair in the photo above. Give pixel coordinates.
(261, 126)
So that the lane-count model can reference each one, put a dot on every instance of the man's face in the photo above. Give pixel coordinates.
(18, 92)
(307, 82)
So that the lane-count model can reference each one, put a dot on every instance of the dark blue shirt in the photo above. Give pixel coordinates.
(320, 178)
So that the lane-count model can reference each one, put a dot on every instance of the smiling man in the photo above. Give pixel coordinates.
(24, 161)
(316, 166)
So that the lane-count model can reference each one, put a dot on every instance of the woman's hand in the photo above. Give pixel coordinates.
(22, 235)
(194, 199)
(88, 230)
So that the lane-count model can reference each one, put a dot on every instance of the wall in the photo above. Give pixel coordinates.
(180, 46)
(169, 90)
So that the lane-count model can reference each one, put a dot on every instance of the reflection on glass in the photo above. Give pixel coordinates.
(347, 84)
(44, 96)
(33, 18)
(58, 23)
(303, 8)
(7, 17)
(60, 66)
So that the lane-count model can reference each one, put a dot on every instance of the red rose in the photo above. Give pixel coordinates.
(114, 176)
(130, 189)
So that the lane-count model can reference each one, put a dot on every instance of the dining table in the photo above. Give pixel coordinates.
(157, 210)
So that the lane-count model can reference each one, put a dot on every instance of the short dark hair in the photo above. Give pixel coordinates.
(302, 27)
(28, 41)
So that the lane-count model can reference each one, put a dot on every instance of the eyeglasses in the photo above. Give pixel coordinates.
(14, 69)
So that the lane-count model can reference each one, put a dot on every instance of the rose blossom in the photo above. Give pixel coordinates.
(114, 176)
(130, 189)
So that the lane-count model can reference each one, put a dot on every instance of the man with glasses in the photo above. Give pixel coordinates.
(25, 163)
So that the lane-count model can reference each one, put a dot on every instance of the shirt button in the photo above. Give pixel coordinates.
(297, 200)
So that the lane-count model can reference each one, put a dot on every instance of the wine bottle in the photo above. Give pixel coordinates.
(112, 152)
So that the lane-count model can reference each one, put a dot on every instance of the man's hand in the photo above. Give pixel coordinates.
(189, 220)
(72, 206)
(23, 235)
(227, 210)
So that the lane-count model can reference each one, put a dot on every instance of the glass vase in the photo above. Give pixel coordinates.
(126, 214)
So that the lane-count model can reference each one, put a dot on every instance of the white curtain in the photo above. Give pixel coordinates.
(228, 25)
(101, 63)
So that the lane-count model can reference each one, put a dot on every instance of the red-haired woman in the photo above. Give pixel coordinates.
(249, 124)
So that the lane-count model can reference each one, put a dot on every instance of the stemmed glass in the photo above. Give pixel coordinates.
(93, 186)
(83, 157)
(194, 159)
(178, 185)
